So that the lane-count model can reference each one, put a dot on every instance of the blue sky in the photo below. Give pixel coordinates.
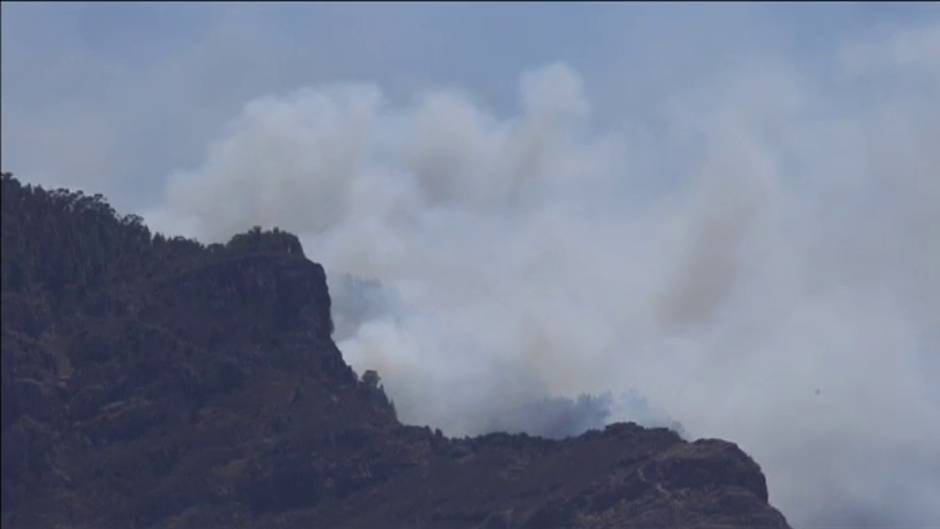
(720, 207)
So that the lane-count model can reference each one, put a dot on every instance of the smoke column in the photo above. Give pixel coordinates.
(759, 260)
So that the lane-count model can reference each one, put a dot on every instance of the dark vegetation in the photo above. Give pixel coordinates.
(158, 382)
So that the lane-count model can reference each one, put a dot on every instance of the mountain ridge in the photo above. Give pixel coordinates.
(159, 382)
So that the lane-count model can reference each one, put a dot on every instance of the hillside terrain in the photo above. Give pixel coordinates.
(153, 382)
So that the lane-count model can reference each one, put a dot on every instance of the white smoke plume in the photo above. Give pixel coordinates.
(767, 272)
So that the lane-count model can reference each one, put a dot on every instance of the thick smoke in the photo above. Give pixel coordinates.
(559, 417)
(767, 272)
(358, 302)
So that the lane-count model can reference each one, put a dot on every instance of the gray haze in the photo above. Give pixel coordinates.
(741, 238)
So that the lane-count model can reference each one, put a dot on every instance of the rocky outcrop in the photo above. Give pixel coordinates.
(153, 382)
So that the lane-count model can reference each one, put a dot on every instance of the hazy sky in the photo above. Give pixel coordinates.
(725, 212)
(126, 93)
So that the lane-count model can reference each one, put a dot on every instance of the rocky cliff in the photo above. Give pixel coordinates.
(154, 382)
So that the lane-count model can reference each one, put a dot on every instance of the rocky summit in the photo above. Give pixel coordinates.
(159, 382)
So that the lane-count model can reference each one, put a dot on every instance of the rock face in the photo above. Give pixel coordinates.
(152, 382)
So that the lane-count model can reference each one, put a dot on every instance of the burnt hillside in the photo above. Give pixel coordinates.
(155, 382)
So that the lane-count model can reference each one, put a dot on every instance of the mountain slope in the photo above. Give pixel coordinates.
(153, 382)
